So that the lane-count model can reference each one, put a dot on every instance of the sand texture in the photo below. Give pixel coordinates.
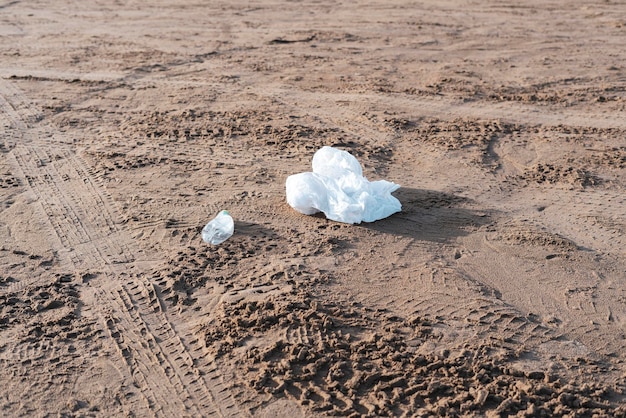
(499, 289)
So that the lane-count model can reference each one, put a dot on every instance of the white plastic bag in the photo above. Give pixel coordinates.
(337, 188)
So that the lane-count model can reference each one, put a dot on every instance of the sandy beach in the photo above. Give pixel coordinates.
(498, 290)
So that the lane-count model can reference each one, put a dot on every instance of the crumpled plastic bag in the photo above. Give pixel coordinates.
(337, 188)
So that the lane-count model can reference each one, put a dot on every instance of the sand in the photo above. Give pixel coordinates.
(125, 126)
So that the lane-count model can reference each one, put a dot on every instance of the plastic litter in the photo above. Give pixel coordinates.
(337, 188)
(219, 229)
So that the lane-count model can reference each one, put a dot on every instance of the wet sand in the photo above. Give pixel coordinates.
(500, 289)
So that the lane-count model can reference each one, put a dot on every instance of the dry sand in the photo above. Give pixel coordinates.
(499, 289)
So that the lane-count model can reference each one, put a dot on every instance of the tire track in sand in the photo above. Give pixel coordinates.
(84, 228)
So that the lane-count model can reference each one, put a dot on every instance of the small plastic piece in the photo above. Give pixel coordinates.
(219, 229)
(337, 188)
